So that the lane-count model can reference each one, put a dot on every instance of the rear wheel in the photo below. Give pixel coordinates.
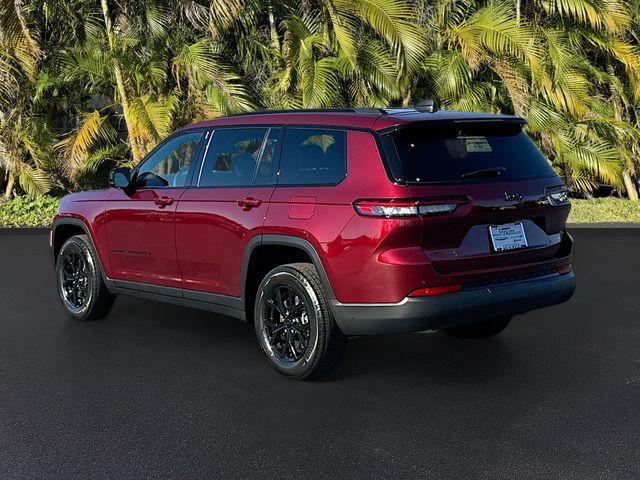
(294, 324)
(80, 286)
(484, 329)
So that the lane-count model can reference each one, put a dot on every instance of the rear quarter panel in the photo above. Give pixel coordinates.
(343, 240)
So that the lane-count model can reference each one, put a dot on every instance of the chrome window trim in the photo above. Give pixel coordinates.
(204, 156)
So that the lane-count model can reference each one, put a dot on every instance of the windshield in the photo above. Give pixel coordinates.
(463, 153)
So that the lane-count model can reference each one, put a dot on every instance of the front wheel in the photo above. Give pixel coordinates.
(484, 329)
(80, 286)
(294, 324)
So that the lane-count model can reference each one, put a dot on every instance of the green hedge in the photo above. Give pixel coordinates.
(25, 212)
(608, 209)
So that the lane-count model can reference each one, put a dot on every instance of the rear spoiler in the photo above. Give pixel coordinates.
(512, 120)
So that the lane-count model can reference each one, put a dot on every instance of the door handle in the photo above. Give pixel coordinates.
(248, 203)
(163, 201)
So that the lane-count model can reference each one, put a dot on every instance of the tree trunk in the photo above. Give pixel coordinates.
(275, 39)
(136, 151)
(518, 8)
(326, 28)
(11, 180)
(406, 98)
(630, 186)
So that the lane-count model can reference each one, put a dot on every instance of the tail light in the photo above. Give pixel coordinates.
(382, 208)
(558, 195)
(392, 208)
(564, 269)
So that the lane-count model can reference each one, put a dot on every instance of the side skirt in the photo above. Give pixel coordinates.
(222, 304)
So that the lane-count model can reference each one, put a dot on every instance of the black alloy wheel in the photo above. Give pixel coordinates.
(81, 287)
(74, 279)
(287, 324)
(294, 324)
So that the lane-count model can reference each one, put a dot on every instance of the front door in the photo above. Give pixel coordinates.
(225, 208)
(141, 223)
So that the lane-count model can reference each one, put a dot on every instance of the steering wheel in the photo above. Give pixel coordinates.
(150, 180)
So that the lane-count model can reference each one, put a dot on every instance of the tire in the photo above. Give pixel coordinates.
(81, 288)
(484, 329)
(294, 324)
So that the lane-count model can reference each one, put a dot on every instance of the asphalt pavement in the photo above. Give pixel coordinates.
(157, 391)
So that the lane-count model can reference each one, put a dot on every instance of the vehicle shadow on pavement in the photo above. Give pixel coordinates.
(430, 358)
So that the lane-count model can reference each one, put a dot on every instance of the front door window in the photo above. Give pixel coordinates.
(169, 165)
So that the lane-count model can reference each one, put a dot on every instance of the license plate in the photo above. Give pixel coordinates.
(509, 236)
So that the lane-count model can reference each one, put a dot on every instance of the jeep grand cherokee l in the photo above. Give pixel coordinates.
(319, 225)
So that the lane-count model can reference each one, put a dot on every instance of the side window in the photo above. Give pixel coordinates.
(312, 157)
(169, 165)
(231, 157)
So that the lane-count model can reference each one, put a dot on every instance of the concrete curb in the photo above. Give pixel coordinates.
(23, 230)
(605, 225)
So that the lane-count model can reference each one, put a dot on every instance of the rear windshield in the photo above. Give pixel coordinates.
(461, 153)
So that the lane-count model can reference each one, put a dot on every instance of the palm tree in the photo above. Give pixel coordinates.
(24, 140)
(154, 69)
(571, 68)
(537, 62)
(333, 52)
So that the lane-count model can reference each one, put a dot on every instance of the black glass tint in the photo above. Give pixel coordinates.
(168, 166)
(468, 153)
(312, 157)
(232, 157)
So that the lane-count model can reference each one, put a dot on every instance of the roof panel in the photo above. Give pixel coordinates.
(376, 119)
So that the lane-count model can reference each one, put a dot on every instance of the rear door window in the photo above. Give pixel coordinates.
(313, 157)
(473, 152)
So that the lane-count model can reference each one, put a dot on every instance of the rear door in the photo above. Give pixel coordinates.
(313, 162)
(141, 224)
(225, 208)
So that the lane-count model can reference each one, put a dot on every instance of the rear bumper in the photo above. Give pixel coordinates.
(466, 306)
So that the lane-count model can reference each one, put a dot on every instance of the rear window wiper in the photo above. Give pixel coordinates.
(487, 172)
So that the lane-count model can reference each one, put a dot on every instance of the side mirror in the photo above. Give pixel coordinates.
(120, 178)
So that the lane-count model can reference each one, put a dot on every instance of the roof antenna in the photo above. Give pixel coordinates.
(426, 105)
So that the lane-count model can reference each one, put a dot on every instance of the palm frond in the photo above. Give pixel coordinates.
(609, 15)
(599, 159)
(34, 181)
(390, 20)
(319, 83)
(15, 32)
(92, 129)
(111, 153)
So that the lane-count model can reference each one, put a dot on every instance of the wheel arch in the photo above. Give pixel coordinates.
(63, 228)
(287, 249)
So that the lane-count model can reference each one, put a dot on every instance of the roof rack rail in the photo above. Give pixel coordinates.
(378, 111)
(399, 110)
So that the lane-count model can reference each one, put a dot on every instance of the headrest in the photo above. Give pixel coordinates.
(243, 165)
(311, 157)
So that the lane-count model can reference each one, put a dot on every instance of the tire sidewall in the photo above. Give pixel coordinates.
(293, 278)
(79, 245)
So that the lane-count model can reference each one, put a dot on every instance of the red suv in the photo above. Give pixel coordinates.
(319, 225)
